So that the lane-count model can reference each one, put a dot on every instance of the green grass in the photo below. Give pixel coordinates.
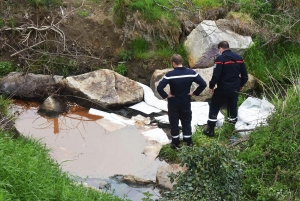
(2, 23)
(28, 173)
(83, 13)
(279, 61)
(4, 104)
(42, 3)
(141, 50)
(150, 11)
(272, 155)
(54, 65)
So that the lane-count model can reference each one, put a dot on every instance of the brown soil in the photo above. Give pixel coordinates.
(92, 39)
(84, 34)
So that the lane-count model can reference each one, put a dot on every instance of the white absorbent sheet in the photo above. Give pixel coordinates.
(145, 108)
(199, 109)
(113, 118)
(112, 122)
(253, 113)
(200, 112)
(152, 100)
(157, 135)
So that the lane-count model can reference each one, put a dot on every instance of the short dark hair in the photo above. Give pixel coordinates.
(177, 59)
(223, 44)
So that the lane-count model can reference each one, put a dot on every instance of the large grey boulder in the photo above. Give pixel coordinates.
(202, 43)
(29, 85)
(104, 87)
(205, 73)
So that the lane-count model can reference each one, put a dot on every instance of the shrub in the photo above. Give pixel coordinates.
(212, 173)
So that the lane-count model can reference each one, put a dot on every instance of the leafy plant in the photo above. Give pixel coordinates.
(121, 69)
(125, 55)
(212, 173)
(147, 197)
(5, 67)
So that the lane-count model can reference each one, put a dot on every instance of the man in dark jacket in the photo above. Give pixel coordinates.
(179, 98)
(230, 76)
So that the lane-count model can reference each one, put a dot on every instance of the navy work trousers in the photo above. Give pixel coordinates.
(180, 109)
(218, 99)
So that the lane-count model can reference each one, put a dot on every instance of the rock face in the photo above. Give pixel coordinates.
(162, 173)
(29, 85)
(105, 88)
(205, 73)
(52, 107)
(202, 43)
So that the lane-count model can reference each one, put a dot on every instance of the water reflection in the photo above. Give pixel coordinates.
(83, 147)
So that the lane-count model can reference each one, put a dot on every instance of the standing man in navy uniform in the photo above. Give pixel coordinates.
(179, 98)
(230, 76)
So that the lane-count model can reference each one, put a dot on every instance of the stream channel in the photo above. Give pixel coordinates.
(90, 150)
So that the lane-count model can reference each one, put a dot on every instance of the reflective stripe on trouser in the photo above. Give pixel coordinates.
(183, 113)
(218, 99)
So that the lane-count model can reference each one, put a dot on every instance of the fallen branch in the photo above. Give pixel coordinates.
(243, 139)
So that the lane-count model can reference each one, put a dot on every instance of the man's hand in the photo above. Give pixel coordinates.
(241, 88)
(211, 91)
(170, 95)
(190, 94)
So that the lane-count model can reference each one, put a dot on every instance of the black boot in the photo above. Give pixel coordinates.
(210, 132)
(232, 121)
(175, 146)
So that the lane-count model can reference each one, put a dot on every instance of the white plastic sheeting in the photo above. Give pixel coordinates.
(252, 113)
(199, 109)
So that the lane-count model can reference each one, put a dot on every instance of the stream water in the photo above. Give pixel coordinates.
(91, 149)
